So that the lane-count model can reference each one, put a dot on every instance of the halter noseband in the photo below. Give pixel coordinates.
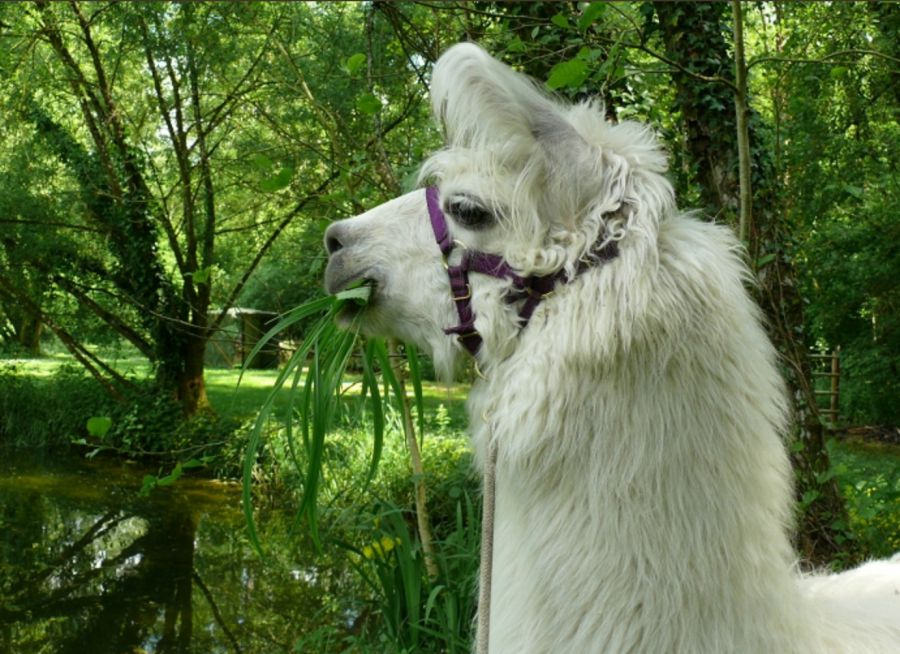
(530, 290)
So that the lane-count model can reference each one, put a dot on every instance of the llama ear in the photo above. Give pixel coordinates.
(479, 100)
(484, 105)
(582, 171)
(566, 150)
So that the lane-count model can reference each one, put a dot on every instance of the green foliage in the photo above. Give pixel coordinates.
(419, 614)
(869, 477)
(279, 180)
(354, 63)
(36, 413)
(98, 426)
(68, 408)
(205, 134)
(149, 422)
(154, 481)
(591, 14)
(570, 73)
(838, 129)
(852, 264)
(368, 104)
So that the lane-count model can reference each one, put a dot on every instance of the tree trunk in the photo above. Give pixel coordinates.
(29, 333)
(694, 38)
(190, 384)
(693, 35)
(741, 112)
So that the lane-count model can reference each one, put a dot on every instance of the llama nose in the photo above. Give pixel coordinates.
(335, 237)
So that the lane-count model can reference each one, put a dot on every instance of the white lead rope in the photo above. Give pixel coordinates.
(487, 546)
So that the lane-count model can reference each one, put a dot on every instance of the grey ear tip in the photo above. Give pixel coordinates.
(545, 125)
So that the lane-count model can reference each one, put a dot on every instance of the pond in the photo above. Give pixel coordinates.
(87, 565)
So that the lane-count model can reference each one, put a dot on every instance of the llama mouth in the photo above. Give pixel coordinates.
(337, 279)
(348, 283)
(356, 304)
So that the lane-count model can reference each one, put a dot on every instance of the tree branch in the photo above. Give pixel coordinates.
(84, 95)
(825, 58)
(85, 357)
(293, 213)
(51, 223)
(168, 227)
(120, 326)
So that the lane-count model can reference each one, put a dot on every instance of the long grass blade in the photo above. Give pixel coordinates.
(331, 360)
(291, 317)
(415, 376)
(387, 370)
(314, 398)
(371, 383)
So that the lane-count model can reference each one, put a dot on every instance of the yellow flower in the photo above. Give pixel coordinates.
(380, 547)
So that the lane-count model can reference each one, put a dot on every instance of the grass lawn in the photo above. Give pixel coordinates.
(244, 400)
(231, 399)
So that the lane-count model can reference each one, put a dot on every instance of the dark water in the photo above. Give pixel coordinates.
(89, 567)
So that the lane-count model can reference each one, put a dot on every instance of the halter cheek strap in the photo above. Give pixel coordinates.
(528, 290)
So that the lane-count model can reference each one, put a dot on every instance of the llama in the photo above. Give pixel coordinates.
(644, 495)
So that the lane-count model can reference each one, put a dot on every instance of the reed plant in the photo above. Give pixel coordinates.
(422, 589)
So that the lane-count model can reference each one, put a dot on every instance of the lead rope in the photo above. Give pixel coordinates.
(487, 546)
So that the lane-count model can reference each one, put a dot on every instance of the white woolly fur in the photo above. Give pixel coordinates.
(644, 497)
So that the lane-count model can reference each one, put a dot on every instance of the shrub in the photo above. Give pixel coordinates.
(37, 412)
(40, 412)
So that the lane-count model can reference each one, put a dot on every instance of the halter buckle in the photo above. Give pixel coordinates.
(461, 298)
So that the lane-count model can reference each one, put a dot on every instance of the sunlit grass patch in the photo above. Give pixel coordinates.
(37, 367)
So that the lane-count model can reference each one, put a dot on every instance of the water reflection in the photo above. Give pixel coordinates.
(88, 566)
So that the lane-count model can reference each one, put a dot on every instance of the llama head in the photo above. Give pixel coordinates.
(523, 176)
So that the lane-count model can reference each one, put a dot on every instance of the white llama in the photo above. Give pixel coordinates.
(644, 495)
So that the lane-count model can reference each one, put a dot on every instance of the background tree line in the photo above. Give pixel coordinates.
(162, 163)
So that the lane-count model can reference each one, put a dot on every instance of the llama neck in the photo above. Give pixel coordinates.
(646, 489)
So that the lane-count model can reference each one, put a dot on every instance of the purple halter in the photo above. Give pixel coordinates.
(529, 290)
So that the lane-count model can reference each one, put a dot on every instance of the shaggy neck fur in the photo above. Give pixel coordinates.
(635, 475)
(643, 492)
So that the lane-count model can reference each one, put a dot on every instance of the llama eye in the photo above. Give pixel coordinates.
(469, 214)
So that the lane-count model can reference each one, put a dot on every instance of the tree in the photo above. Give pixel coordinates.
(690, 29)
(179, 131)
(837, 131)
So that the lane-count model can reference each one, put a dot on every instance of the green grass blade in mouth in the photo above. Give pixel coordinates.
(359, 294)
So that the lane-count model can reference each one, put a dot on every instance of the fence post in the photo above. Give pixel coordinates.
(835, 382)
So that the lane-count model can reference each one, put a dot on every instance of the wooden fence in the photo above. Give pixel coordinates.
(826, 378)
